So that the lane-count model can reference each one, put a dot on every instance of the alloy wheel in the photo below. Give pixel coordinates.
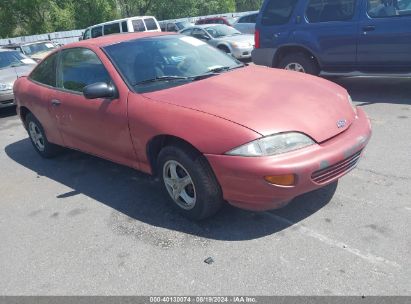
(36, 136)
(179, 185)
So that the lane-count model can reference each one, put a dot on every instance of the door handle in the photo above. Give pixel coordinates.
(368, 28)
(55, 102)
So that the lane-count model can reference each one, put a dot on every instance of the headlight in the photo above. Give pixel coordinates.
(6, 86)
(241, 44)
(352, 105)
(273, 145)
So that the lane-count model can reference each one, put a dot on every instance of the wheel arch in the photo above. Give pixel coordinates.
(24, 111)
(157, 143)
(289, 49)
(224, 45)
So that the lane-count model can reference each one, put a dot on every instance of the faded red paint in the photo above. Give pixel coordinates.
(214, 115)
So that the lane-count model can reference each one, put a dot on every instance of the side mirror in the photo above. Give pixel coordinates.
(100, 90)
(205, 37)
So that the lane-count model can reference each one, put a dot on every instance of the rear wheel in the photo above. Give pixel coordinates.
(190, 182)
(299, 62)
(38, 138)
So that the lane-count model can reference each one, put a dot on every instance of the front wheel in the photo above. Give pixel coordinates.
(189, 182)
(299, 62)
(38, 138)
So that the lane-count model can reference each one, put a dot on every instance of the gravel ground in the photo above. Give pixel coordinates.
(79, 225)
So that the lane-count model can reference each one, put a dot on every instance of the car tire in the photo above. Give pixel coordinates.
(299, 62)
(39, 139)
(189, 182)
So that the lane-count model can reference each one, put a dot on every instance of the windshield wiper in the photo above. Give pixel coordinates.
(162, 78)
(219, 69)
(226, 68)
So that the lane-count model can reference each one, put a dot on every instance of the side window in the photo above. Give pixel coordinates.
(113, 28)
(80, 67)
(243, 19)
(198, 33)
(87, 34)
(330, 10)
(278, 12)
(171, 27)
(124, 27)
(138, 25)
(253, 18)
(45, 72)
(151, 25)
(389, 8)
(96, 32)
(187, 32)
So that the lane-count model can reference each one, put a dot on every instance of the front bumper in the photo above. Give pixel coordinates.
(6, 99)
(242, 53)
(242, 178)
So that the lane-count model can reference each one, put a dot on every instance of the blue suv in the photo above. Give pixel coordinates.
(335, 37)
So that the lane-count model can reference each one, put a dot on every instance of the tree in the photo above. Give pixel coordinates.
(26, 17)
(248, 5)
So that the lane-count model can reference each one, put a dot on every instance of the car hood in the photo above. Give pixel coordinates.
(268, 101)
(9, 75)
(238, 38)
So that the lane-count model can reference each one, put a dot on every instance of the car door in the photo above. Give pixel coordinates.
(330, 28)
(42, 88)
(385, 37)
(96, 126)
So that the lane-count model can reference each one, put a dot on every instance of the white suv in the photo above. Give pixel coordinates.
(127, 25)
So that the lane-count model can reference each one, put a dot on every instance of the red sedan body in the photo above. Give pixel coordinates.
(214, 115)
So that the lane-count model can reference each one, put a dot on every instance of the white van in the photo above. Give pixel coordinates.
(126, 25)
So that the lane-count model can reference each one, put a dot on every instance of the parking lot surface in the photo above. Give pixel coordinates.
(80, 225)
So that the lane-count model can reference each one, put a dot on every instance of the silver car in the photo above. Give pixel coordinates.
(13, 65)
(224, 38)
(246, 24)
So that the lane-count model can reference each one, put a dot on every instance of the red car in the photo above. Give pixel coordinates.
(212, 128)
(216, 20)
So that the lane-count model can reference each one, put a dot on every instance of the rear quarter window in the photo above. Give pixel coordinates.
(45, 72)
(138, 25)
(278, 12)
(151, 24)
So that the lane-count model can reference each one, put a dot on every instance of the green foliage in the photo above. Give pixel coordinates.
(248, 5)
(27, 17)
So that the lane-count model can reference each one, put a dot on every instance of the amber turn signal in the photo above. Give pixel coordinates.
(281, 180)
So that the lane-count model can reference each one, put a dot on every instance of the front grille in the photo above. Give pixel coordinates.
(7, 102)
(325, 175)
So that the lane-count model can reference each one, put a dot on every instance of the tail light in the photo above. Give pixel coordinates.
(257, 39)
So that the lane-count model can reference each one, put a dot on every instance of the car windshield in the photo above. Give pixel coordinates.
(13, 59)
(218, 31)
(36, 48)
(404, 4)
(183, 25)
(231, 20)
(157, 63)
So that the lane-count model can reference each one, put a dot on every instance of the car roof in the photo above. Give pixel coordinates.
(121, 20)
(113, 39)
(207, 25)
(26, 43)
